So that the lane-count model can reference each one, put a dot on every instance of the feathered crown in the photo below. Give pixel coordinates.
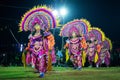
(107, 43)
(97, 33)
(78, 26)
(38, 15)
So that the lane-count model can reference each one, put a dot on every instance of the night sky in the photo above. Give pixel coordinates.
(104, 14)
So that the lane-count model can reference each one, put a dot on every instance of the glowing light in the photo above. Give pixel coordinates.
(63, 11)
(21, 47)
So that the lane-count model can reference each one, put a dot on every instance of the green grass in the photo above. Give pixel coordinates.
(60, 73)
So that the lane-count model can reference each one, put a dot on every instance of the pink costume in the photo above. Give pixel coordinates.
(38, 54)
(75, 52)
(75, 30)
(37, 20)
(94, 38)
(28, 55)
(49, 43)
(104, 56)
(49, 48)
(91, 50)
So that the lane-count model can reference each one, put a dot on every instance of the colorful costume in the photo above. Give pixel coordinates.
(41, 46)
(104, 55)
(75, 31)
(49, 48)
(94, 38)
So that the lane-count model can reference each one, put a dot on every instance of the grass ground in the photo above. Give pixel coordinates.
(60, 73)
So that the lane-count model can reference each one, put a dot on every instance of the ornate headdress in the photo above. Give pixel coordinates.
(97, 33)
(78, 26)
(40, 15)
(107, 43)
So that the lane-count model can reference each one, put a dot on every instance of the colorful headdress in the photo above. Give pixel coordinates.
(97, 33)
(78, 26)
(107, 43)
(40, 15)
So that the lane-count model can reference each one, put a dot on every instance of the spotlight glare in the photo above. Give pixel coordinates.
(63, 11)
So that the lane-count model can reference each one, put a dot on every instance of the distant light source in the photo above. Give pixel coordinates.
(3, 54)
(63, 11)
(21, 47)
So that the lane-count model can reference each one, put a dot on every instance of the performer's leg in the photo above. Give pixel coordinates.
(37, 65)
(98, 63)
(74, 62)
(28, 58)
(90, 61)
(79, 62)
(33, 61)
(42, 68)
(107, 61)
(53, 56)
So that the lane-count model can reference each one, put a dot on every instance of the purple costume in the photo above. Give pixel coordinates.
(94, 37)
(38, 54)
(74, 30)
(75, 52)
(104, 55)
(91, 50)
(36, 20)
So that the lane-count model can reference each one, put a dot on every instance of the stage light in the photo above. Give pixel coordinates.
(63, 11)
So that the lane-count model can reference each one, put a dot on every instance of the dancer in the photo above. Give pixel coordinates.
(74, 31)
(104, 55)
(94, 38)
(38, 21)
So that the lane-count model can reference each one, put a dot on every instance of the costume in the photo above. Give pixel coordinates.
(75, 31)
(39, 21)
(49, 48)
(104, 55)
(94, 38)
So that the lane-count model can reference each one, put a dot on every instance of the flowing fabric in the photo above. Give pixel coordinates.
(99, 48)
(49, 65)
(51, 41)
(67, 55)
(83, 43)
(53, 56)
(96, 57)
(83, 58)
(28, 58)
(23, 59)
